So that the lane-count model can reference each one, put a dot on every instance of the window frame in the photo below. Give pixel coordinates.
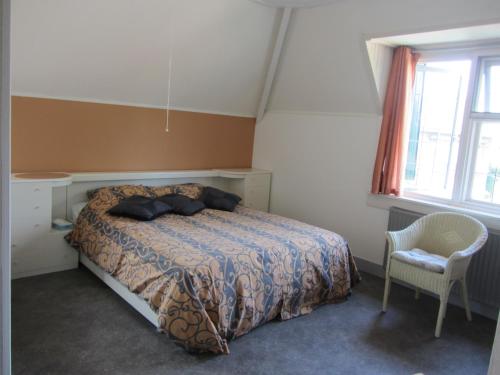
(462, 183)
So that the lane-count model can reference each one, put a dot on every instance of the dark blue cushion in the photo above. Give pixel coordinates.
(182, 205)
(140, 208)
(218, 199)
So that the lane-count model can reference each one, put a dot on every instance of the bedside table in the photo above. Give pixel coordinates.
(253, 185)
(36, 247)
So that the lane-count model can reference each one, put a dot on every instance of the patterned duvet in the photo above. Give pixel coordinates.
(216, 275)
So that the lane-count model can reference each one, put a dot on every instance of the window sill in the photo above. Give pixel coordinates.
(425, 207)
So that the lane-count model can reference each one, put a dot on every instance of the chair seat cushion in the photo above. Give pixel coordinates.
(422, 259)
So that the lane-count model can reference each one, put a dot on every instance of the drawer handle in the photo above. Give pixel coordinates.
(13, 245)
(36, 189)
(37, 207)
(36, 225)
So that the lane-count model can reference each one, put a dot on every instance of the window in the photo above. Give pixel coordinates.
(453, 135)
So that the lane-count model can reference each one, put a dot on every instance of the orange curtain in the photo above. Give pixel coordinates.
(388, 164)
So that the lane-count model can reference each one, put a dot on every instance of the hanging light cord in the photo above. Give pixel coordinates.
(170, 63)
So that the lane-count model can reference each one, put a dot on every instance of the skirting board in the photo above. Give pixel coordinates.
(133, 300)
(379, 271)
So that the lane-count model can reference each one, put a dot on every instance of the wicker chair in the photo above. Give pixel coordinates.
(433, 253)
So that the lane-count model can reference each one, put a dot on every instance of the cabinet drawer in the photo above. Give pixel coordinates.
(31, 211)
(29, 227)
(26, 205)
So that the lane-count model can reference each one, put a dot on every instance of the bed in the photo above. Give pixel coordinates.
(214, 276)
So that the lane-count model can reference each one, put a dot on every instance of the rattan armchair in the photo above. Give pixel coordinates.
(432, 254)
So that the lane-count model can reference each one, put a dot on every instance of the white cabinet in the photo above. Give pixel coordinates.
(36, 248)
(253, 185)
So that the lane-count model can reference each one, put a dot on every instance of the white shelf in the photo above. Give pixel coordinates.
(48, 179)
(124, 176)
(149, 175)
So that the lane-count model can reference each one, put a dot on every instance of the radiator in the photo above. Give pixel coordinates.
(483, 276)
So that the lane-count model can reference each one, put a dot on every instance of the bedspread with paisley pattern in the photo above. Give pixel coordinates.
(216, 275)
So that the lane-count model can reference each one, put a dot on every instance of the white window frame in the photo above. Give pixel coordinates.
(462, 184)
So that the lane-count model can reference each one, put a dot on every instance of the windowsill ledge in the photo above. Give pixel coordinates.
(385, 202)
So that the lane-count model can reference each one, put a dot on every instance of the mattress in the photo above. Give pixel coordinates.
(216, 275)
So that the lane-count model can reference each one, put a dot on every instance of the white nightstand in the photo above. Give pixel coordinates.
(36, 247)
(254, 185)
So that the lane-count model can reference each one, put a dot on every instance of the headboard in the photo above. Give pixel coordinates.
(252, 185)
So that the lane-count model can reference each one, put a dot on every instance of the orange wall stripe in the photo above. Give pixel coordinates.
(72, 136)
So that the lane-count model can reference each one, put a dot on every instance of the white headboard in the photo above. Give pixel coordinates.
(251, 184)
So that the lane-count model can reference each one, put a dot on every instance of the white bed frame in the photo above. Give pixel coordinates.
(132, 299)
(239, 181)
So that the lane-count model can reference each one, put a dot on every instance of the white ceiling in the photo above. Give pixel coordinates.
(117, 51)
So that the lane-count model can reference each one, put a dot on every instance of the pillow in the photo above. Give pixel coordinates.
(122, 191)
(219, 200)
(182, 205)
(162, 190)
(92, 193)
(191, 190)
(140, 208)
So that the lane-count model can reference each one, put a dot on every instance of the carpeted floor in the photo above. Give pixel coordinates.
(71, 323)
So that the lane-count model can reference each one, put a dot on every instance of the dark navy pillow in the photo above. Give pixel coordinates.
(140, 208)
(182, 205)
(219, 200)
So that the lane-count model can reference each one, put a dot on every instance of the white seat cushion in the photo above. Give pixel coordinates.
(423, 259)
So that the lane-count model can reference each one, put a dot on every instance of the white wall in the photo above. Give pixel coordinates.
(321, 169)
(118, 50)
(380, 60)
(321, 135)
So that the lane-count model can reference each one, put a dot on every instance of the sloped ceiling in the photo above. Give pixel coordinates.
(117, 51)
(324, 66)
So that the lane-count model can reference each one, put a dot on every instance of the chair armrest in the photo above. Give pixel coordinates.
(468, 252)
(459, 260)
(403, 240)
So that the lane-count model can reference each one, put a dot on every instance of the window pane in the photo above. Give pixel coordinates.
(435, 125)
(486, 174)
(488, 97)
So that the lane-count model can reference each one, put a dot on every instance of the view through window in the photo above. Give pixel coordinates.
(453, 149)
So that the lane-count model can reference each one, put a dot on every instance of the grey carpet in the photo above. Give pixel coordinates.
(71, 323)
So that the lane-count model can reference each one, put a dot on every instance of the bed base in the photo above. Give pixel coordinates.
(132, 299)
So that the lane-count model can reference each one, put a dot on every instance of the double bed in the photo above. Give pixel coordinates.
(214, 276)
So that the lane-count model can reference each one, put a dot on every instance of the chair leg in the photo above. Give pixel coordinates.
(417, 293)
(465, 298)
(439, 324)
(387, 291)
(442, 310)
